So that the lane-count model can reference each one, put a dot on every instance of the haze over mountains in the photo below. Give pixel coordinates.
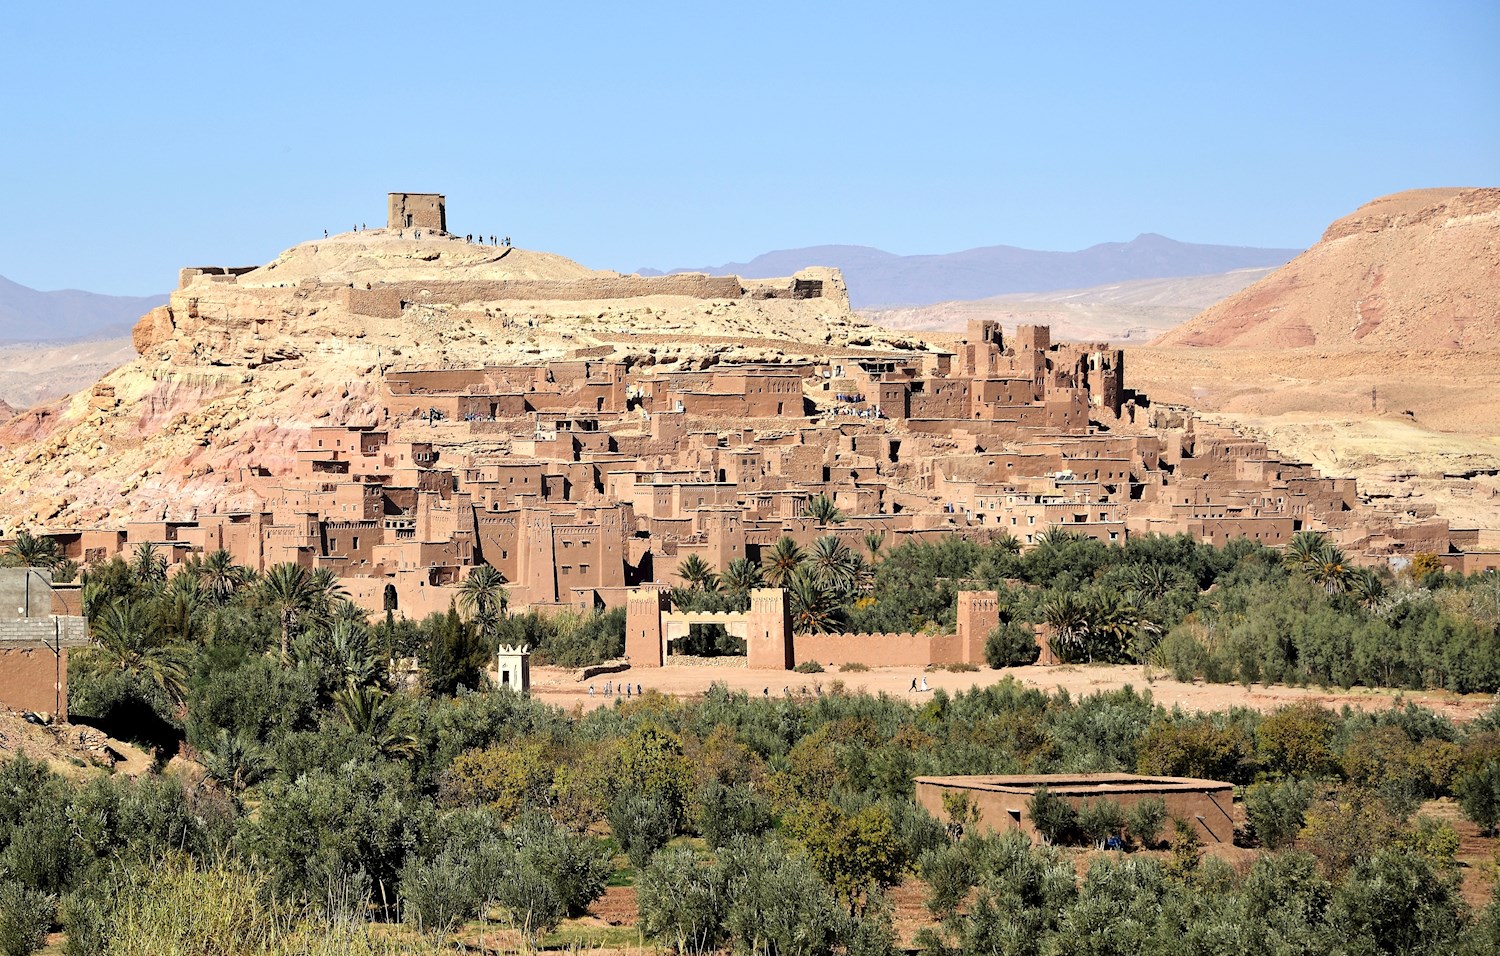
(879, 279)
(27, 315)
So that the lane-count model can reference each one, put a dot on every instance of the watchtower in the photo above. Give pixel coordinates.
(416, 211)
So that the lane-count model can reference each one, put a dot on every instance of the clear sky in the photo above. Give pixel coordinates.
(143, 137)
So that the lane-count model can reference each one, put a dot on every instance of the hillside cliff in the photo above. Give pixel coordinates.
(1413, 270)
(240, 363)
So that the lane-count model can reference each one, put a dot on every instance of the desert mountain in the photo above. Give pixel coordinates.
(33, 373)
(1417, 269)
(883, 279)
(238, 365)
(27, 315)
(1373, 354)
(1125, 312)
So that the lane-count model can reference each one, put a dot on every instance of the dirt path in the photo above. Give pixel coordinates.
(558, 686)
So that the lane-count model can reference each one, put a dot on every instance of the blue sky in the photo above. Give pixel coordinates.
(144, 137)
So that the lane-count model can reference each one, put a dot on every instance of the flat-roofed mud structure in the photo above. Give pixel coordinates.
(1002, 800)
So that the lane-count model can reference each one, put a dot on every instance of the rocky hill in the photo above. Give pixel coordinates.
(240, 363)
(1373, 354)
(1417, 269)
(880, 279)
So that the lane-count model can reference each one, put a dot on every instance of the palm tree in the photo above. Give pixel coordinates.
(874, 541)
(220, 576)
(781, 562)
(822, 510)
(483, 594)
(698, 575)
(742, 576)
(371, 712)
(814, 608)
(1365, 586)
(343, 650)
(125, 631)
(179, 607)
(30, 551)
(1302, 552)
(328, 593)
(832, 565)
(288, 588)
(149, 566)
(235, 762)
(1068, 619)
(1152, 580)
(1330, 569)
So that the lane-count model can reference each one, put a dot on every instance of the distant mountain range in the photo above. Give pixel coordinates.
(27, 315)
(879, 279)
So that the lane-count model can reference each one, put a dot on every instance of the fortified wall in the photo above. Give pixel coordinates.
(652, 624)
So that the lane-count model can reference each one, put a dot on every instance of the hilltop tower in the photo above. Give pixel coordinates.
(416, 211)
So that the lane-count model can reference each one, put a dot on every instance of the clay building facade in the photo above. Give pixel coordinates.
(1002, 801)
(416, 211)
(583, 478)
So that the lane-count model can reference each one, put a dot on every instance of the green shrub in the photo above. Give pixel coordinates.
(642, 824)
(1145, 819)
(1099, 820)
(682, 898)
(1183, 654)
(1478, 793)
(853, 667)
(1054, 818)
(1276, 811)
(25, 916)
(437, 894)
(809, 667)
(1012, 644)
(728, 811)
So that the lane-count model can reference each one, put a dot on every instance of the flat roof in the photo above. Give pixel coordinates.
(1074, 784)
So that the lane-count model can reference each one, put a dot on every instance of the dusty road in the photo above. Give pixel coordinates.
(559, 686)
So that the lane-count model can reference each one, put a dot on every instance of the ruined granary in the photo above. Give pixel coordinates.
(585, 432)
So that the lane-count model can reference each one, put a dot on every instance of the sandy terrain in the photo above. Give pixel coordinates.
(559, 686)
(1127, 312)
(1411, 426)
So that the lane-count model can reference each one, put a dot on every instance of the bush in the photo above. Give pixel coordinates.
(25, 916)
(641, 824)
(507, 779)
(1478, 793)
(1144, 820)
(438, 894)
(1276, 811)
(809, 667)
(1011, 644)
(1099, 820)
(1054, 818)
(853, 667)
(682, 898)
(1183, 654)
(727, 811)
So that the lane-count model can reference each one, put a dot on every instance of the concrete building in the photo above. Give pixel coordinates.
(36, 632)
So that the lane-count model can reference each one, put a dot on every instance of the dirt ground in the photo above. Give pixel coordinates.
(72, 750)
(561, 687)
